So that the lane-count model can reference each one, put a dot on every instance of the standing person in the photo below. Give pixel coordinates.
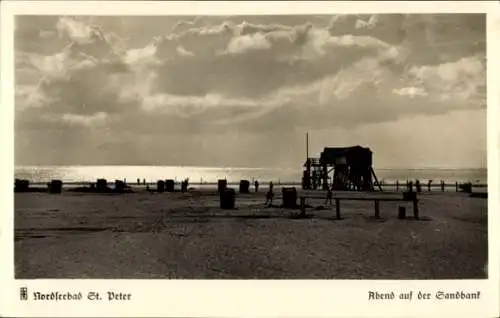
(303, 207)
(429, 185)
(138, 181)
(418, 186)
(270, 194)
(329, 195)
(144, 181)
(397, 185)
(442, 185)
(256, 183)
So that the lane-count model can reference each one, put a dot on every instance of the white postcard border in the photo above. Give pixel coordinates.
(228, 298)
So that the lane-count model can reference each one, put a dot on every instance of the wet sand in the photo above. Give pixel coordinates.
(187, 235)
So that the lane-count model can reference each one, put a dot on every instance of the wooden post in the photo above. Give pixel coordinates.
(415, 209)
(337, 208)
(377, 209)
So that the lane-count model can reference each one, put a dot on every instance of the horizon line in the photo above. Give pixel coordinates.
(235, 167)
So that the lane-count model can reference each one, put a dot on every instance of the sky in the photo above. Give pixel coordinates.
(244, 90)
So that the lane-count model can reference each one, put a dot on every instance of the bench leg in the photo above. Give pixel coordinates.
(415, 209)
(377, 209)
(337, 208)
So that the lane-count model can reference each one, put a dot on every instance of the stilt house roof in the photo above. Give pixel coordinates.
(352, 155)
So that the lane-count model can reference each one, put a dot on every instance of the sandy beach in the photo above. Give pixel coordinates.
(187, 235)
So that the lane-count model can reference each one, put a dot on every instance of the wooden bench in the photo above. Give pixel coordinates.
(377, 204)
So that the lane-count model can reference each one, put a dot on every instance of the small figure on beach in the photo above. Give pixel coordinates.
(144, 181)
(184, 185)
(138, 181)
(397, 185)
(410, 186)
(256, 183)
(329, 195)
(429, 183)
(270, 194)
(418, 186)
(303, 207)
(442, 185)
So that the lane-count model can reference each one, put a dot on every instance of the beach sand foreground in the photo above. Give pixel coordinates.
(187, 235)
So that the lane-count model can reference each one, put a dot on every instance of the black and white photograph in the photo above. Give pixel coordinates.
(329, 146)
(257, 159)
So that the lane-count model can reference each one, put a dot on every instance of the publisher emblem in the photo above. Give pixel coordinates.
(23, 293)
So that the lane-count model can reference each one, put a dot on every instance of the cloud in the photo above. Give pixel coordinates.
(462, 79)
(183, 52)
(60, 65)
(88, 121)
(241, 44)
(410, 91)
(255, 64)
(189, 105)
(142, 56)
(215, 75)
(186, 25)
(46, 34)
(29, 96)
(77, 31)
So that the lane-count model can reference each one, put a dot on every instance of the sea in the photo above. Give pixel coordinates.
(209, 175)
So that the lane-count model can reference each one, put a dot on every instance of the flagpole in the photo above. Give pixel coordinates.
(307, 145)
